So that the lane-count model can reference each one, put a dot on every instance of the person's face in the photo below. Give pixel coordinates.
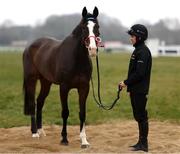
(132, 39)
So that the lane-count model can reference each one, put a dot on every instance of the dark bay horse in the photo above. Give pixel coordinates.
(66, 63)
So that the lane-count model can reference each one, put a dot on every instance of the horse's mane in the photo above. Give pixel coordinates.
(77, 31)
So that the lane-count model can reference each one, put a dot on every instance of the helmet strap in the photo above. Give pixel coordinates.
(139, 40)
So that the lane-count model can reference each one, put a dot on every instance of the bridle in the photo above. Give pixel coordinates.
(99, 43)
(97, 40)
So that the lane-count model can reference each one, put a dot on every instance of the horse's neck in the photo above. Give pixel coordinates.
(82, 53)
(73, 51)
(83, 61)
(73, 59)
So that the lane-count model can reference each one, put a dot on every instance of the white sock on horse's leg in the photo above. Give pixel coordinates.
(41, 132)
(84, 141)
(35, 135)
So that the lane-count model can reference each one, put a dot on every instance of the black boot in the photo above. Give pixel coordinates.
(139, 140)
(143, 145)
(135, 145)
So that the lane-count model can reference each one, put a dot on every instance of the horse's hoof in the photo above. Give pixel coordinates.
(64, 142)
(84, 146)
(41, 132)
(35, 135)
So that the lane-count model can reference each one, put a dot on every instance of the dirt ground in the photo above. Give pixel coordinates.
(113, 137)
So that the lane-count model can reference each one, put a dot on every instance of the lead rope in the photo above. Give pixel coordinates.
(98, 101)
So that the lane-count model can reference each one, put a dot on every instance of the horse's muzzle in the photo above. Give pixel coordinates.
(92, 51)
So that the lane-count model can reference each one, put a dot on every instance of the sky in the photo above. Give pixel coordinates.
(32, 12)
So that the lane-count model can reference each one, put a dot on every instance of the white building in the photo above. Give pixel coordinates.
(156, 47)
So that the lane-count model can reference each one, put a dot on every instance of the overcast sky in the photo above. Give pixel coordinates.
(127, 11)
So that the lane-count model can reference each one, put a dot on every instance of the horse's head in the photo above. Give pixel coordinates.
(90, 30)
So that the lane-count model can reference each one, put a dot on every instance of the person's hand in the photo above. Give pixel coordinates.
(122, 84)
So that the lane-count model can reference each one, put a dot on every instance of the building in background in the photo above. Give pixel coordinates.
(157, 47)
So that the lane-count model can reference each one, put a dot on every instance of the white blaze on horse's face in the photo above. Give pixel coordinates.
(92, 43)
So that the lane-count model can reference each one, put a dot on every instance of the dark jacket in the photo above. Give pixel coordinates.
(139, 69)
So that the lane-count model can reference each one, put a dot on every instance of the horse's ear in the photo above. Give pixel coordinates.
(84, 12)
(95, 12)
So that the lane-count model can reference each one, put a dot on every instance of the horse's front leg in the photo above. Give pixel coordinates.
(83, 93)
(64, 90)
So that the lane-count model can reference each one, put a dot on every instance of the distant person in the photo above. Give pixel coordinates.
(138, 81)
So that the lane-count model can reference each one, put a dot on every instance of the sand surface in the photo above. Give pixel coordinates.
(113, 137)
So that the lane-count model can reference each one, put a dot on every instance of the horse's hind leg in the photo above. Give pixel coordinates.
(45, 87)
(64, 90)
(83, 93)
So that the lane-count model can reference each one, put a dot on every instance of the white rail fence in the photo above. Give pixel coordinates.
(115, 46)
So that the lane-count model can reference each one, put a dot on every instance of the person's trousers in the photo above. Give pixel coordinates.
(138, 102)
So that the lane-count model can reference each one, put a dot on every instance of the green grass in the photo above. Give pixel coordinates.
(163, 103)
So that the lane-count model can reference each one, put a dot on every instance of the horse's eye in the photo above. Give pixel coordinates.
(84, 27)
(96, 32)
(97, 26)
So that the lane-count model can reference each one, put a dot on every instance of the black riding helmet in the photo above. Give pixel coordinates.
(139, 31)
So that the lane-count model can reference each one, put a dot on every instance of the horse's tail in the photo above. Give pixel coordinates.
(29, 94)
(29, 105)
(25, 99)
(30, 76)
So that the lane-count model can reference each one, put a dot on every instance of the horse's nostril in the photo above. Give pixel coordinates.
(90, 48)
